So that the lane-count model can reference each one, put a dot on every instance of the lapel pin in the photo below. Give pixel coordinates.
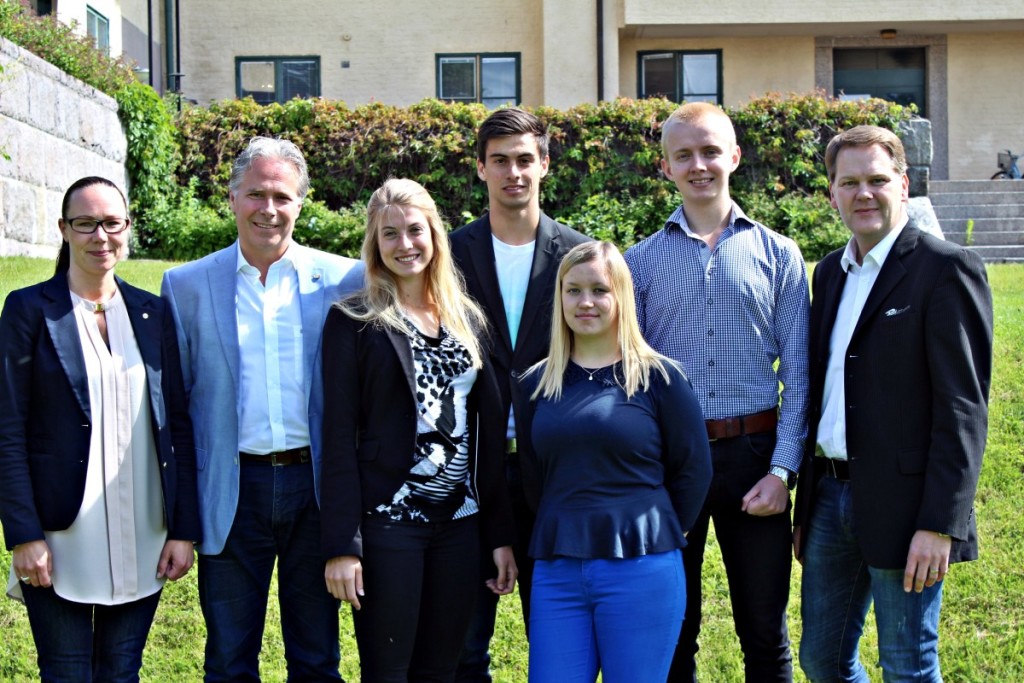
(316, 277)
(145, 316)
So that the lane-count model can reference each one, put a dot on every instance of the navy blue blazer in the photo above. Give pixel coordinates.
(46, 421)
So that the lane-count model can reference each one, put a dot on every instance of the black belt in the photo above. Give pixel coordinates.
(837, 469)
(293, 456)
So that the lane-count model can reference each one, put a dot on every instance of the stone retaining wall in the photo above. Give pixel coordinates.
(55, 129)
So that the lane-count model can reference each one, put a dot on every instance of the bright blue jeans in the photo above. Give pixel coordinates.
(79, 643)
(277, 519)
(621, 616)
(838, 587)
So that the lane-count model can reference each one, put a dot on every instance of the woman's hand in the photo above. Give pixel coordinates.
(176, 559)
(505, 561)
(33, 560)
(344, 576)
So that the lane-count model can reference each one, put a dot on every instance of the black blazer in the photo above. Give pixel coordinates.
(473, 251)
(369, 434)
(46, 421)
(918, 369)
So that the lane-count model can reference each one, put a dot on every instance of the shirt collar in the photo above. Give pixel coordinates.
(737, 220)
(292, 256)
(878, 253)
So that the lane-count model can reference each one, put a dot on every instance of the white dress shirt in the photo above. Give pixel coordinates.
(513, 264)
(272, 411)
(859, 281)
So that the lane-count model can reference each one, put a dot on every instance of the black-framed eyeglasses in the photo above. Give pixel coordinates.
(87, 225)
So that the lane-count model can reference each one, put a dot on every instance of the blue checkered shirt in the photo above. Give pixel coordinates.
(727, 315)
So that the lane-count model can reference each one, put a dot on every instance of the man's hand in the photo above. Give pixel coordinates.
(33, 563)
(505, 561)
(344, 577)
(768, 497)
(927, 561)
(176, 559)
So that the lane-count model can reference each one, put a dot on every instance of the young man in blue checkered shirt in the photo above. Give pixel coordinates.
(728, 298)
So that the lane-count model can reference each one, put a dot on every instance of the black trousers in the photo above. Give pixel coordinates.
(421, 582)
(758, 558)
(474, 666)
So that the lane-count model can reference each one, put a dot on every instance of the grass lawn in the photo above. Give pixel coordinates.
(982, 630)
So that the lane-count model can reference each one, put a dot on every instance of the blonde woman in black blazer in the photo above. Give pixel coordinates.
(413, 448)
(97, 466)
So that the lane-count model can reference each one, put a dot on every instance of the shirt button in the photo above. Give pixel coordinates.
(711, 394)
(711, 333)
(710, 301)
(711, 363)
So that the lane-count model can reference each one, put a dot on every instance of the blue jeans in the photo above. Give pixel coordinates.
(421, 584)
(277, 518)
(79, 642)
(757, 554)
(838, 587)
(621, 616)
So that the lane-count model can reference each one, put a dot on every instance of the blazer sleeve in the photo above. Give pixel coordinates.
(959, 356)
(183, 517)
(340, 493)
(20, 324)
(495, 503)
(685, 451)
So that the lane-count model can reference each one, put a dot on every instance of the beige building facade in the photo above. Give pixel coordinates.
(957, 61)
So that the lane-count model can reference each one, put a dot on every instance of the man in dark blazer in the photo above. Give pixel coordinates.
(900, 362)
(510, 257)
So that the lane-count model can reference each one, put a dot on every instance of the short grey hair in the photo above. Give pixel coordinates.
(270, 148)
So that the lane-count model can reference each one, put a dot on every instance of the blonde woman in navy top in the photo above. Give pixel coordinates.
(618, 465)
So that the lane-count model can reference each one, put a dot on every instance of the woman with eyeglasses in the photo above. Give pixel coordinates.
(97, 466)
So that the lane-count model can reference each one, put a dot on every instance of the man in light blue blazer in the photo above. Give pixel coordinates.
(249, 321)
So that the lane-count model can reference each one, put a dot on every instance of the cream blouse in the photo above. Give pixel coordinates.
(109, 554)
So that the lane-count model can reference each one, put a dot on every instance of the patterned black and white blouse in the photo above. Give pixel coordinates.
(437, 487)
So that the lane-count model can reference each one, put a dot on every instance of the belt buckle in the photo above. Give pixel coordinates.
(273, 459)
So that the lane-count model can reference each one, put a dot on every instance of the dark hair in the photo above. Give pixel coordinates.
(865, 136)
(511, 121)
(64, 255)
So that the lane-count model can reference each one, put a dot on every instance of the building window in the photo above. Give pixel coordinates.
(97, 27)
(894, 74)
(277, 79)
(690, 75)
(492, 79)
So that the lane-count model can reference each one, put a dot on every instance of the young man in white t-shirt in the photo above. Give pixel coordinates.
(509, 257)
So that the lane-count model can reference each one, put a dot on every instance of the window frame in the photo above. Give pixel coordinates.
(478, 58)
(677, 62)
(278, 61)
(95, 18)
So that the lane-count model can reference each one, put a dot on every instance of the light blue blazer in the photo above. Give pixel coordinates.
(202, 297)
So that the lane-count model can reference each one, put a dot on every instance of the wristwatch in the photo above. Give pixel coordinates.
(788, 478)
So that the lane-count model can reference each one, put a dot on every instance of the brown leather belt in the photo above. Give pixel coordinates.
(730, 427)
(293, 456)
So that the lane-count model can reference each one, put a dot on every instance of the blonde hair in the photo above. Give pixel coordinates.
(377, 301)
(638, 358)
(691, 113)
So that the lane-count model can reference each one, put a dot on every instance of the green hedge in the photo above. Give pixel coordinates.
(604, 177)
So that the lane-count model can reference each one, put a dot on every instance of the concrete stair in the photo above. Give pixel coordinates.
(995, 206)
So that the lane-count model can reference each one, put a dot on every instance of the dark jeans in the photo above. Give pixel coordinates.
(420, 581)
(277, 518)
(758, 558)
(474, 665)
(79, 643)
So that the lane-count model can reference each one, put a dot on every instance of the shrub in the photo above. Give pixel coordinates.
(148, 127)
